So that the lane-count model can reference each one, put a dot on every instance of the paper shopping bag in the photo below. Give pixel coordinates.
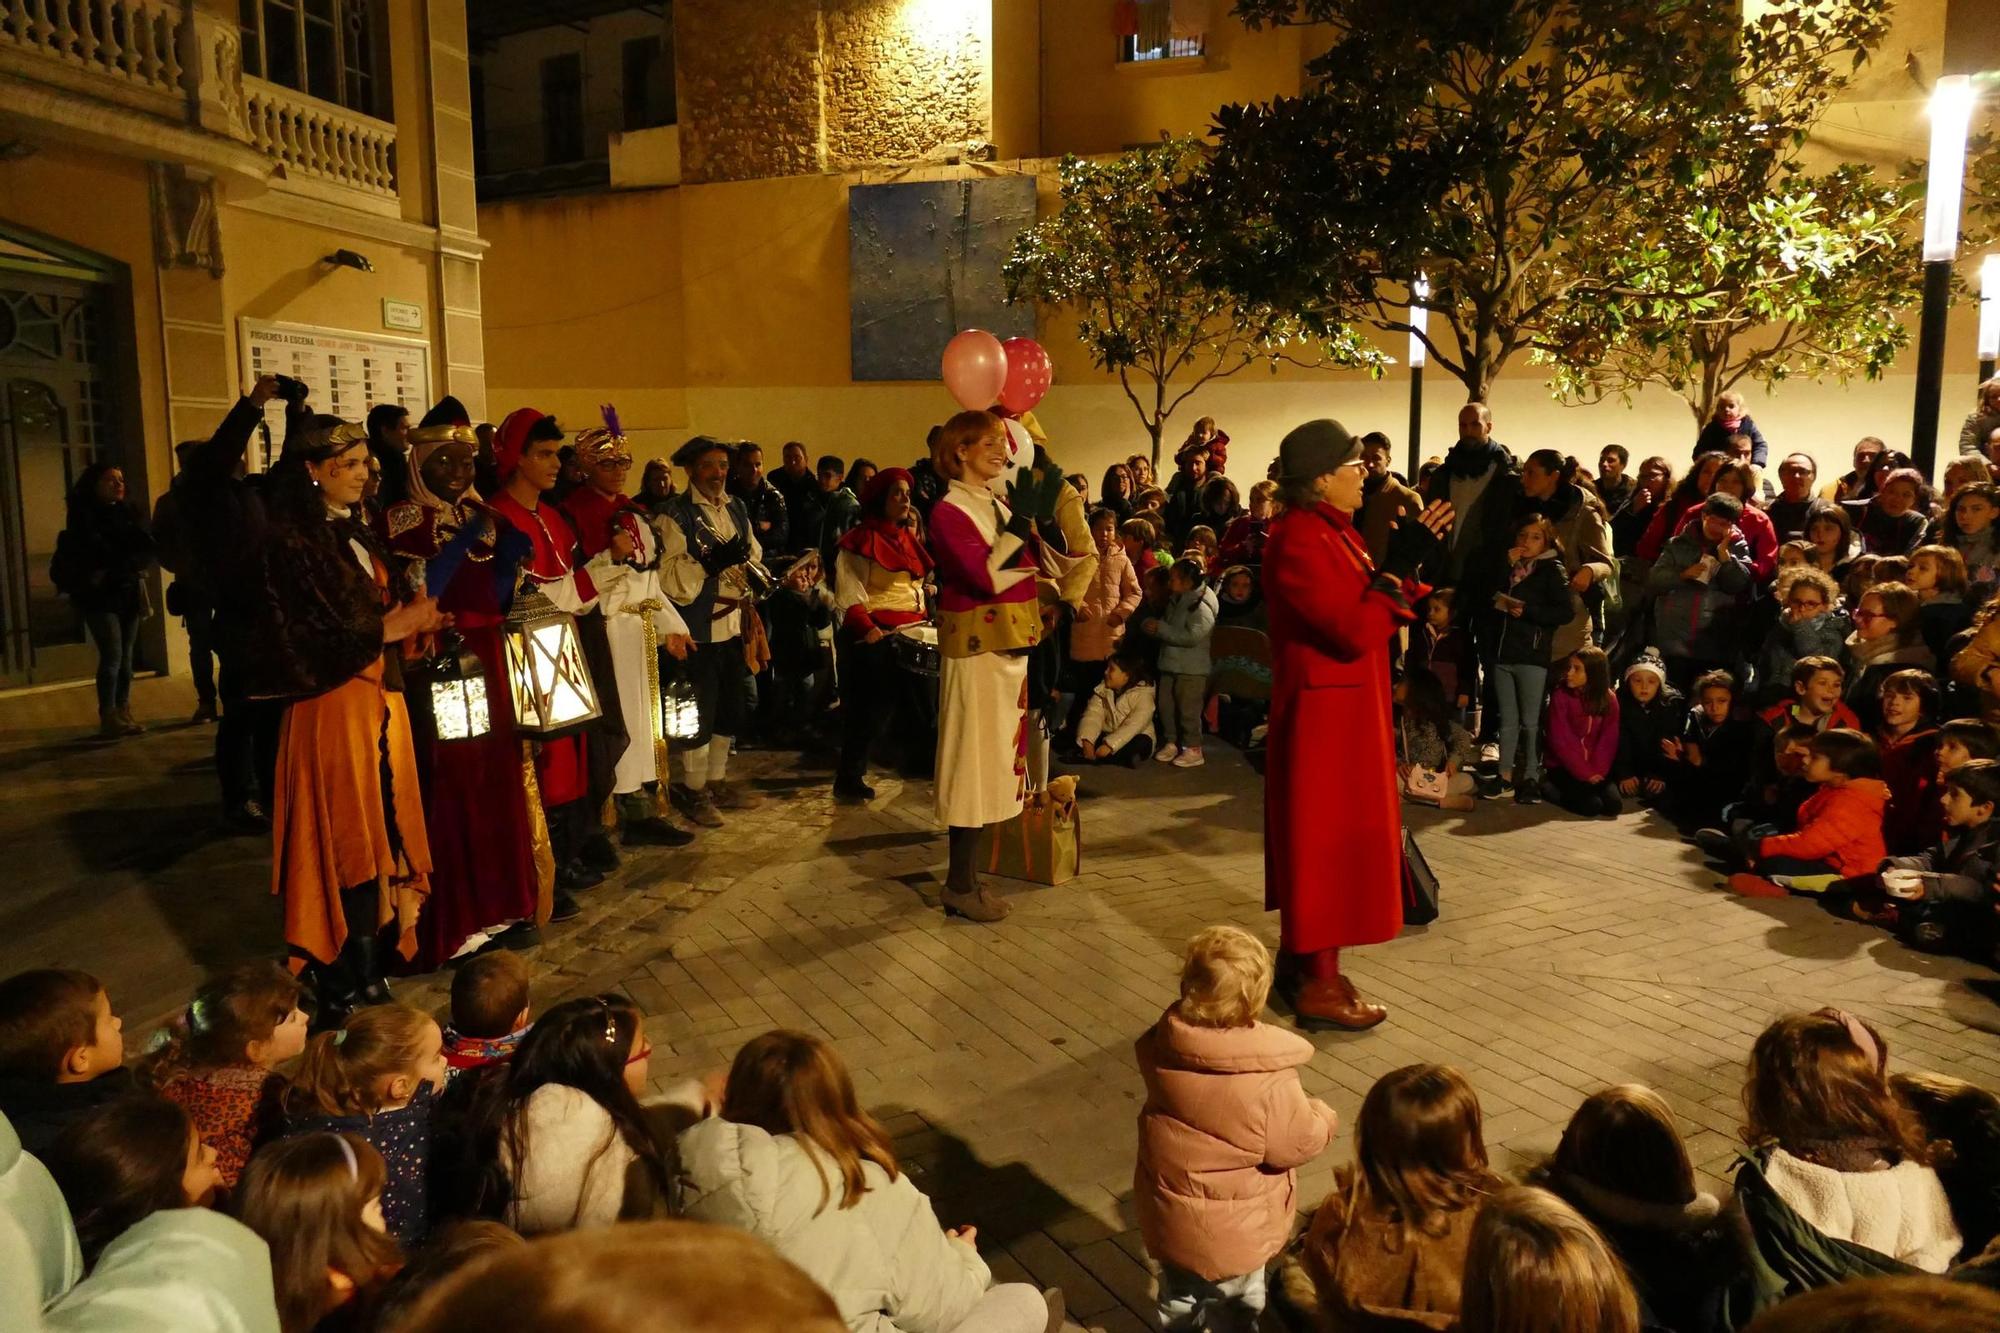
(1042, 844)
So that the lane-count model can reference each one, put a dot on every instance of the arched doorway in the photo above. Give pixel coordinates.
(54, 385)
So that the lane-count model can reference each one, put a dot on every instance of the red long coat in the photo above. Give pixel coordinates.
(1333, 829)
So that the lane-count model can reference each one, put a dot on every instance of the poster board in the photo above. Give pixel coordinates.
(349, 373)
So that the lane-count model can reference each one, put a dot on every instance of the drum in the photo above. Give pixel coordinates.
(916, 649)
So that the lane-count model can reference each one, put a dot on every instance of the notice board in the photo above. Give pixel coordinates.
(349, 372)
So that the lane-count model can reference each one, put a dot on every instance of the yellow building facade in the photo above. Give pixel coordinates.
(716, 296)
(191, 193)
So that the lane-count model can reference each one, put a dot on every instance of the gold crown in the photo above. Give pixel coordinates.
(441, 434)
(596, 444)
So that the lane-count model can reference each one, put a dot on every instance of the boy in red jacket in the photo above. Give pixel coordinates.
(1840, 825)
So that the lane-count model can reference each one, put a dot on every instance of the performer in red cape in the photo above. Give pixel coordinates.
(1333, 845)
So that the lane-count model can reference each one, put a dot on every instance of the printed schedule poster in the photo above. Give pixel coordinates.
(348, 373)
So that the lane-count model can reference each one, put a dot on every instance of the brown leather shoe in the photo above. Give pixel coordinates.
(1330, 1002)
(978, 905)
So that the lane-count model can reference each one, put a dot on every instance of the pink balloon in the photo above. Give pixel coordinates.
(1028, 374)
(975, 369)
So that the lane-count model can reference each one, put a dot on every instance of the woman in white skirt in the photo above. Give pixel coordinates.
(987, 621)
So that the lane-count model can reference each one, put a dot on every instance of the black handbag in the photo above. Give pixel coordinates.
(1420, 885)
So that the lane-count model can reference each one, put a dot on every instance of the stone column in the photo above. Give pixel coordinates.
(460, 342)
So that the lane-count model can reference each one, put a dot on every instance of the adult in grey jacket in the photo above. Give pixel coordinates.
(1980, 425)
(1548, 485)
(1698, 582)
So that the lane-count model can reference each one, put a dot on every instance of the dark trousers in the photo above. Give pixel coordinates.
(246, 736)
(871, 695)
(1584, 798)
(608, 734)
(198, 618)
(720, 680)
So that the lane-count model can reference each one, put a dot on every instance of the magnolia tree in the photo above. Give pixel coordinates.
(1809, 280)
(1110, 256)
(1492, 145)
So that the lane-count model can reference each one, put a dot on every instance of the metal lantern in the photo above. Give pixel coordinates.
(453, 681)
(552, 689)
(680, 712)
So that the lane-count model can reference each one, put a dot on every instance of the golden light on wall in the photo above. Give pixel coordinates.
(944, 25)
(551, 685)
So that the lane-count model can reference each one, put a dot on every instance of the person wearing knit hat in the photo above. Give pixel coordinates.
(710, 564)
(1649, 711)
(1333, 849)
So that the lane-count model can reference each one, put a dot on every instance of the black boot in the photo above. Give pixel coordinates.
(361, 958)
(333, 995)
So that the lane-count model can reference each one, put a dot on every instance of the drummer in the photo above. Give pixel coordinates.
(878, 579)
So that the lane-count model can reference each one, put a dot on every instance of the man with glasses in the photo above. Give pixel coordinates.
(640, 622)
(1789, 512)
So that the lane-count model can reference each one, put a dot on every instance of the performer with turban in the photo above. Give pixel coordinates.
(527, 462)
(639, 623)
(710, 564)
(481, 815)
(350, 851)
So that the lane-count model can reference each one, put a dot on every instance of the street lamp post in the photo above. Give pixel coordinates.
(1951, 115)
(1989, 315)
(1420, 291)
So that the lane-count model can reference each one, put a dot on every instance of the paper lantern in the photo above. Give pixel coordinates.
(453, 682)
(550, 679)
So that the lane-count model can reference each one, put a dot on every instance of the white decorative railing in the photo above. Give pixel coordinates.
(320, 140)
(133, 41)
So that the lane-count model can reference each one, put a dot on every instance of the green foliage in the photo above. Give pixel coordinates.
(1143, 308)
(1807, 280)
(1487, 143)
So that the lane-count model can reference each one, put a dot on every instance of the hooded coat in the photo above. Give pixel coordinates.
(886, 1262)
(1683, 1259)
(40, 1259)
(1224, 1129)
(181, 1268)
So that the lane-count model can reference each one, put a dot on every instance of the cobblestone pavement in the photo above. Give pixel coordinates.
(1570, 954)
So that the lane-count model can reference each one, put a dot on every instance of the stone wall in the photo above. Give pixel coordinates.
(748, 75)
(789, 87)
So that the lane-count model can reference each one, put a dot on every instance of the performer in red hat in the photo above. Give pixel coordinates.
(1333, 828)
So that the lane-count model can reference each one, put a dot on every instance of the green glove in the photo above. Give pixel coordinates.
(1051, 491)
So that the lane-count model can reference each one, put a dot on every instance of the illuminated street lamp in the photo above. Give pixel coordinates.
(1989, 316)
(546, 669)
(1420, 291)
(1951, 116)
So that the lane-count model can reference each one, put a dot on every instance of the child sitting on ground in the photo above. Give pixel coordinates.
(1650, 713)
(219, 1062)
(62, 1052)
(1445, 650)
(1941, 898)
(1828, 1139)
(1939, 577)
(1777, 784)
(1225, 1127)
(489, 1011)
(1387, 1247)
(1907, 739)
(1434, 753)
(377, 1076)
(1964, 739)
(126, 1160)
(1583, 736)
(1840, 825)
(1712, 754)
(318, 1201)
(1117, 723)
(1811, 625)
(1183, 632)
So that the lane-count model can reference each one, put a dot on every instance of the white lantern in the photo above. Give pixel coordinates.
(680, 712)
(453, 682)
(553, 692)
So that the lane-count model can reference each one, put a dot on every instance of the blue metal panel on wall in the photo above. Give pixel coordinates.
(924, 262)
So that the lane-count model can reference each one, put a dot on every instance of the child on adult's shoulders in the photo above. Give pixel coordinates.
(62, 1052)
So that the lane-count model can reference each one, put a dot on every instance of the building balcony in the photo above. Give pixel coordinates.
(164, 81)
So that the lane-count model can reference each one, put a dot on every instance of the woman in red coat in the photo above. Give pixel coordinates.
(1333, 848)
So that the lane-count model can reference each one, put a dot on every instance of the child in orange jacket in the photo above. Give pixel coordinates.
(1840, 825)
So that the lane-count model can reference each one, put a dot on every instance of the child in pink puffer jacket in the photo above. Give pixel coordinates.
(1225, 1128)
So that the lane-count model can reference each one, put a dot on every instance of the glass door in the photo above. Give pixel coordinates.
(50, 406)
